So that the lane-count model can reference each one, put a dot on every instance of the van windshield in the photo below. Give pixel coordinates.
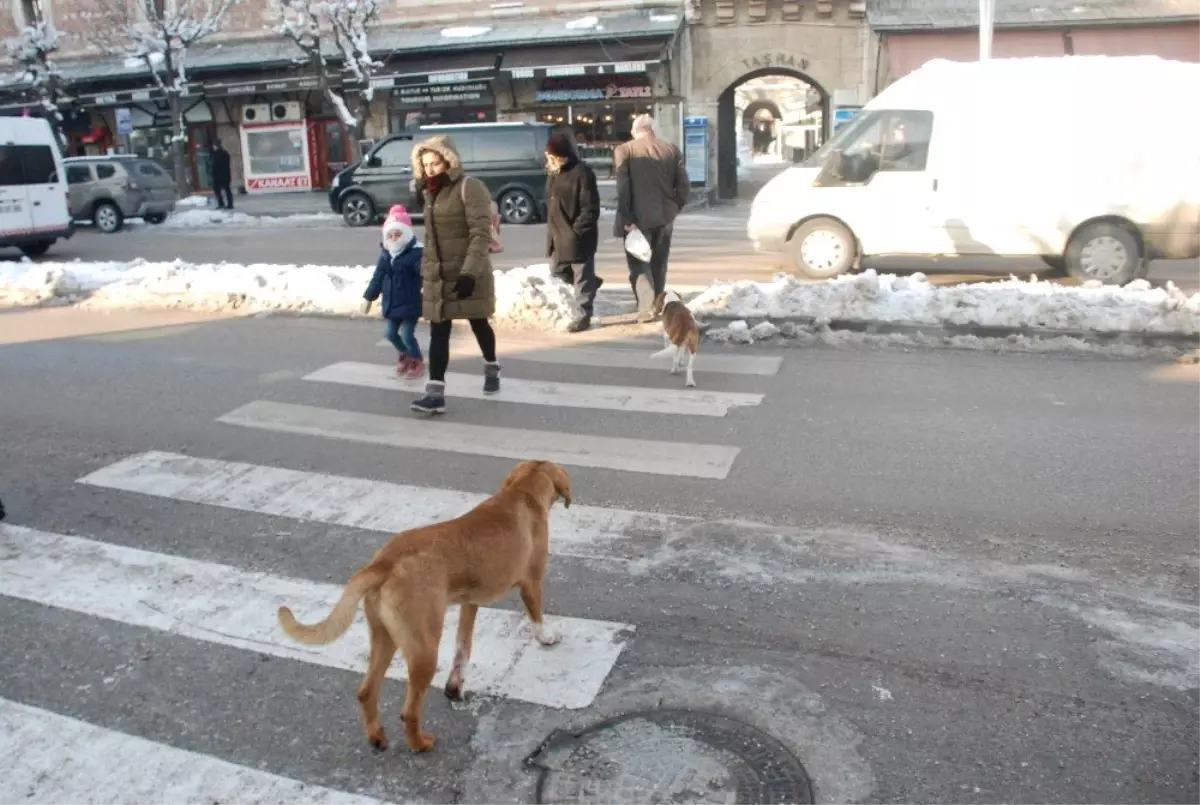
(850, 133)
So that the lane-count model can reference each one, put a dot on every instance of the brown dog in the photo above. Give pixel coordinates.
(472, 560)
(680, 334)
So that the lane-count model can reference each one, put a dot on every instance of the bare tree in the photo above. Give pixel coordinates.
(33, 52)
(321, 28)
(157, 34)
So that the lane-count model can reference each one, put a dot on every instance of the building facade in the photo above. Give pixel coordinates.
(910, 34)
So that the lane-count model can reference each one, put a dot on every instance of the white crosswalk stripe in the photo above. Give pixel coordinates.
(220, 604)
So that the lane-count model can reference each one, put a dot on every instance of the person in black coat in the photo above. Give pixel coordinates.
(222, 176)
(572, 223)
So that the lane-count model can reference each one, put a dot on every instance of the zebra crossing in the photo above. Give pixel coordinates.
(52, 757)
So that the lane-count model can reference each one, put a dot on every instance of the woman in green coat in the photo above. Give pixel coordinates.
(456, 272)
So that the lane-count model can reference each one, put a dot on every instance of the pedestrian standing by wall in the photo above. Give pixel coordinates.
(652, 187)
(572, 225)
(222, 176)
(456, 272)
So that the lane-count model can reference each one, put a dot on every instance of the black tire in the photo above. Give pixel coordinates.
(107, 217)
(1106, 252)
(37, 248)
(155, 217)
(822, 248)
(516, 207)
(358, 209)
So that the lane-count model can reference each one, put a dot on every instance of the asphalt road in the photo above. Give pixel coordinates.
(933, 576)
(708, 245)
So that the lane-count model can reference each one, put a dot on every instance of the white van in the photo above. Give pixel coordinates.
(1091, 163)
(33, 195)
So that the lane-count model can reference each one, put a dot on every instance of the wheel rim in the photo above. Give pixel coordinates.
(106, 218)
(822, 250)
(357, 210)
(516, 208)
(1104, 257)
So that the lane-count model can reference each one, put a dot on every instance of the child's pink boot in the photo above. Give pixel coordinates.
(416, 369)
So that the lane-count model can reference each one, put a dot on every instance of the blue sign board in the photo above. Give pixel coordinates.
(695, 148)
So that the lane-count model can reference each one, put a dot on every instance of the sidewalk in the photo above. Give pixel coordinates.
(276, 205)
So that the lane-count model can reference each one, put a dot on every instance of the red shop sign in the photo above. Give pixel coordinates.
(279, 183)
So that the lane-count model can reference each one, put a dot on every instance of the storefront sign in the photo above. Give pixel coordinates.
(477, 92)
(569, 70)
(279, 183)
(124, 118)
(775, 59)
(262, 87)
(130, 96)
(425, 79)
(609, 92)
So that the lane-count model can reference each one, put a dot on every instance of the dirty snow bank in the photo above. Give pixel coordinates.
(203, 218)
(1091, 307)
(524, 296)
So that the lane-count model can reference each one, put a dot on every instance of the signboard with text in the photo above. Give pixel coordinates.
(475, 92)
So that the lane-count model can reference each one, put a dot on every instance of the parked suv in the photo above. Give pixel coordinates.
(108, 189)
(508, 157)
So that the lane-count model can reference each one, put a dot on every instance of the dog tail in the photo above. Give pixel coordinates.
(662, 353)
(339, 620)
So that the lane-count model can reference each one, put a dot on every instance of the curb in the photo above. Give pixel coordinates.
(872, 327)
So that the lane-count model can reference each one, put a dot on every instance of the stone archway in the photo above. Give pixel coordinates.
(733, 75)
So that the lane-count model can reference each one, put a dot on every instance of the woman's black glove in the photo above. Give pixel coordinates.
(464, 286)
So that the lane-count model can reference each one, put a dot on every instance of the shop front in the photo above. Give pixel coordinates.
(596, 90)
(440, 90)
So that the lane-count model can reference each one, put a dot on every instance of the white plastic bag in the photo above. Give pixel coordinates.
(637, 245)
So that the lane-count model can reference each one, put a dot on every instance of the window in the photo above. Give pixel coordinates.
(105, 171)
(890, 141)
(26, 164)
(275, 151)
(503, 145)
(78, 174)
(395, 154)
(149, 169)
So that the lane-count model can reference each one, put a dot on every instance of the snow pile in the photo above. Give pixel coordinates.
(203, 218)
(1092, 307)
(532, 295)
(528, 296)
(189, 202)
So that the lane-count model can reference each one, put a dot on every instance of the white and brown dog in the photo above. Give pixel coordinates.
(680, 335)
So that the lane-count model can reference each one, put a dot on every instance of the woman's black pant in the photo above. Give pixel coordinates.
(439, 345)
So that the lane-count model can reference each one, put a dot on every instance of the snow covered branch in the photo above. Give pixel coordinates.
(32, 51)
(320, 28)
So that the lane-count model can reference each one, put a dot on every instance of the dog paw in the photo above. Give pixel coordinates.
(455, 691)
(421, 742)
(546, 636)
(674, 370)
(691, 384)
(379, 741)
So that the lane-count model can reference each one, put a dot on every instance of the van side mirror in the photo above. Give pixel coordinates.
(374, 162)
(831, 171)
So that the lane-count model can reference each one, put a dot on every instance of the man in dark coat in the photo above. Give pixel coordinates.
(222, 176)
(572, 223)
(652, 187)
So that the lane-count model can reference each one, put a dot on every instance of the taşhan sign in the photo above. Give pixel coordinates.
(609, 92)
(776, 59)
(279, 183)
(479, 92)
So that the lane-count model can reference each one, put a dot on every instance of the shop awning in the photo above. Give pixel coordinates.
(590, 58)
(453, 68)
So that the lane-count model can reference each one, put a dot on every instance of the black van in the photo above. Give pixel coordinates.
(508, 157)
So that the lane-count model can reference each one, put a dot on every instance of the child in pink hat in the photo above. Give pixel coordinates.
(397, 279)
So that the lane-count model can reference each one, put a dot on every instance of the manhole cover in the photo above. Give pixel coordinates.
(668, 756)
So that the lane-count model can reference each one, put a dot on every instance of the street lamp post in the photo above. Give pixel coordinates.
(987, 14)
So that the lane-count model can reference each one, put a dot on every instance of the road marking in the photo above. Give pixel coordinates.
(607, 452)
(53, 758)
(633, 356)
(355, 502)
(227, 606)
(681, 401)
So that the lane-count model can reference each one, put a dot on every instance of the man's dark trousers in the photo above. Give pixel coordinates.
(583, 277)
(653, 275)
(224, 194)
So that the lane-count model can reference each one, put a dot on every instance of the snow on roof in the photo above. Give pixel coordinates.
(926, 15)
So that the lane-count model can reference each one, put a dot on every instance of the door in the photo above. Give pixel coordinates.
(15, 215)
(335, 152)
(881, 187)
(79, 183)
(200, 138)
(385, 175)
(47, 191)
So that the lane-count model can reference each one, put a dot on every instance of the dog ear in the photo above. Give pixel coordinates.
(562, 481)
(518, 472)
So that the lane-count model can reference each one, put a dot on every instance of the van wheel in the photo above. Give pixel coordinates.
(37, 248)
(822, 248)
(357, 209)
(1105, 252)
(107, 217)
(155, 218)
(516, 207)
